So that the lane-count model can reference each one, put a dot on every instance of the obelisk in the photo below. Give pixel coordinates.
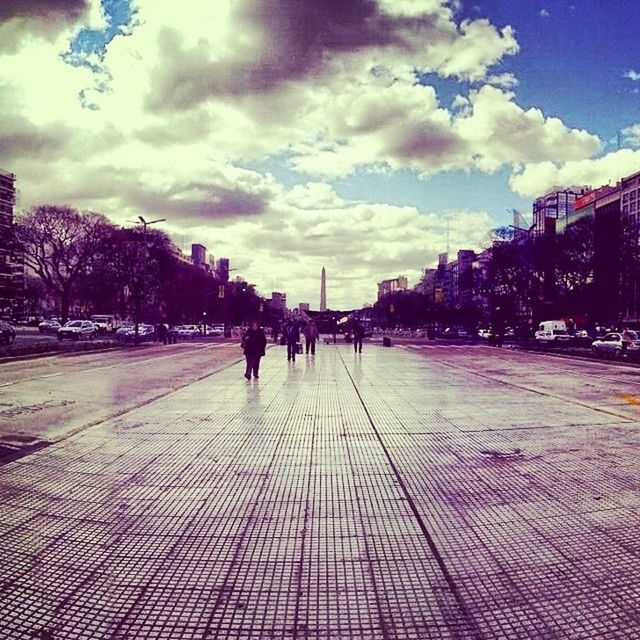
(323, 290)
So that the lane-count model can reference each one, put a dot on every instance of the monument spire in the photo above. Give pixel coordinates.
(323, 290)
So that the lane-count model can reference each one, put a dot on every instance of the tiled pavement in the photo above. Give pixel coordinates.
(376, 496)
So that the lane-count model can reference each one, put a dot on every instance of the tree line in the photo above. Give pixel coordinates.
(523, 278)
(83, 264)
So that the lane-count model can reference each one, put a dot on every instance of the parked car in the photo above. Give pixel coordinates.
(611, 345)
(188, 331)
(7, 332)
(49, 326)
(77, 330)
(455, 332)
(484, 333)
(105, 322)
(552, 331)
(28, 321)
(127, 332)
(216, 330)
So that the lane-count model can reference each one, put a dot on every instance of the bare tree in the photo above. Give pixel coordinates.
(575, 255)
(61, 244)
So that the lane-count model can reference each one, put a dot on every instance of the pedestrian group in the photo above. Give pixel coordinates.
(254, 341)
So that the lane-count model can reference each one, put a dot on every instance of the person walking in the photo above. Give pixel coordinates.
(358, 335)
(292, 337)
(162, 333)
(626, 340)
(311, 335)
(254, 344)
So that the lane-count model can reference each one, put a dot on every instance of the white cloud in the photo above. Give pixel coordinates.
(536, 179)
(186, 98)
(500, 132)
(632, 75)
(631, 135)
(359, 244)
(544, 13)
(402, 126)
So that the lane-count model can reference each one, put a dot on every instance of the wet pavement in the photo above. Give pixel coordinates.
(404, 493)
(45, 399)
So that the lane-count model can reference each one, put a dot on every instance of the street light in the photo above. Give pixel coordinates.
(144, 224)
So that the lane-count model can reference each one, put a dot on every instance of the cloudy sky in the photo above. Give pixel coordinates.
(292, 134)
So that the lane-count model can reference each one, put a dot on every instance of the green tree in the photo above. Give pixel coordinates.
(62, 245)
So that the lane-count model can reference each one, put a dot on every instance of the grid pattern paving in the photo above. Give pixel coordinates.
(384, 496)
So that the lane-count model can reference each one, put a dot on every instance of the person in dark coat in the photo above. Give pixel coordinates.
(358, 335)
(162, 333)
(292, 336)
(311, 335)
(254, 344)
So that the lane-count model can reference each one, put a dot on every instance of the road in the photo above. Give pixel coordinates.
(411, 492)
(45, 399)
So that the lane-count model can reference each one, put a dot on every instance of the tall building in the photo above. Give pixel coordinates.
(222, 269)
(323, 290)
(630, 218)
(199, 255)
(554, 208)
(11, 262)
(602, 206)
(387, 287)
(427, 284)
(279, 300)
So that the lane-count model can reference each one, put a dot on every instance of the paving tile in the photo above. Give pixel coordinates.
(388, 495)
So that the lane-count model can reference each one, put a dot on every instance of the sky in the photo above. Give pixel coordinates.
(293, 134)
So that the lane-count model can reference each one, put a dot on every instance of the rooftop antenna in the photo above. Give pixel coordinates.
(619, 176)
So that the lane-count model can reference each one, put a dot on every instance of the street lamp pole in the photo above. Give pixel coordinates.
(144, 224)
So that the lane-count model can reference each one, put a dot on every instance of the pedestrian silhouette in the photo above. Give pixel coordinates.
(311, 335)
(254, 344)
(292, 337)
(358, 334)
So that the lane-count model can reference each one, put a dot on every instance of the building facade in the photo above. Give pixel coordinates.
(279, 300)
(554, 209)
(222, 269)
(630, 253)
(11, 259)
(427, 284)
(199, 255)
(387, 287)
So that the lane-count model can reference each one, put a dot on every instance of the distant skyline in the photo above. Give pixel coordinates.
(295, 134)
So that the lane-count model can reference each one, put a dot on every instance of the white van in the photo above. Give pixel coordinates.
(552, 331)
(105, 323)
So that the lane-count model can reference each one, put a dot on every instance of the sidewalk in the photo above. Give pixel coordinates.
(375, 496)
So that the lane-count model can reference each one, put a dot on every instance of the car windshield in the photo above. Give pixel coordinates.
(73, 323)
(633, 335)
(560, 332)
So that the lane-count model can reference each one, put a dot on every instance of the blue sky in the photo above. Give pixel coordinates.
(572, 59)
(571, 64)
(347, 143)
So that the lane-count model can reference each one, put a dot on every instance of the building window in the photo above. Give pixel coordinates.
(632, 207)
